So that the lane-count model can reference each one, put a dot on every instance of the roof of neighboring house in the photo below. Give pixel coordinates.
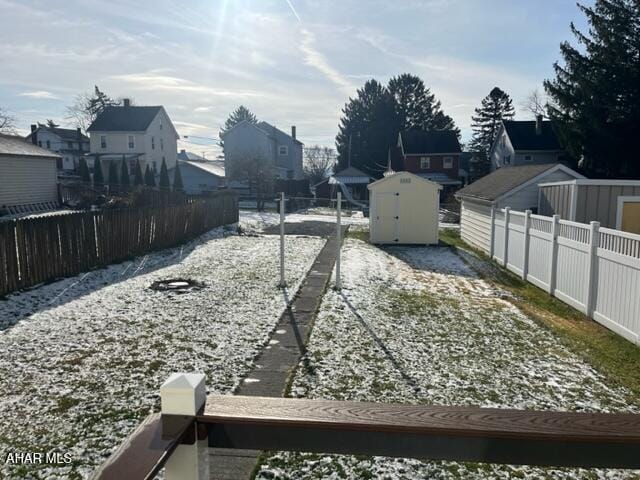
(263, 127)
(17, 146)
(439, 177)
(434, 141)
(68, 134)
(404, 174)
(208, 167)
(124, 119)
(502, 181)
(522, 135)
(184, 155)
(349, 175)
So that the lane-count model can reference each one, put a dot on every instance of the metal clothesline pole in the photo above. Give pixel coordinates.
(283, 282)
(338, 241)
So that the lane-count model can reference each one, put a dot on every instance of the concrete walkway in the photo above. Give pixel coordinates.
(281, 355)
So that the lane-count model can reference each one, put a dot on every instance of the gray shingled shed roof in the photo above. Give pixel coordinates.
(11, 145)
(502, 181)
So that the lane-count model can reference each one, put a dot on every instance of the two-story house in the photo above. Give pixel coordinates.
(264, 140)
(434, 155)
(134, 133)
(526, 143)
(70, 144)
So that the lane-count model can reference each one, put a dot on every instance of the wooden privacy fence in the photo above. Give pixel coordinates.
(36, 250)
(594, 269)
(190, 423)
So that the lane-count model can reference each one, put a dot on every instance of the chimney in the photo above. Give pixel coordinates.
(126, 102)
(538, 124)
(183, 151)
(34, 134)
(293, 132)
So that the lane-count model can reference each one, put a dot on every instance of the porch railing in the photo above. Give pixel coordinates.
(190, 422)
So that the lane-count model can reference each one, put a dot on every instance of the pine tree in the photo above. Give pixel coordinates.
(416, 107)
(113, 175)
(368, 127)
(98, 177)
(138, 179)
(149, 177)
(83, 171)
(240, 114)
(495, 107)
(164, 183)
(596, 92)
(124, 173)
(177, 179)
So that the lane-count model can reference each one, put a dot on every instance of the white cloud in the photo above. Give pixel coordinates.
(42, 94)
(317, 60)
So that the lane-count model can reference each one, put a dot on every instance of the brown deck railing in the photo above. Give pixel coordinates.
(425, 432)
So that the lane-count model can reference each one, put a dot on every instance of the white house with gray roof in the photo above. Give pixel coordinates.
(246, 138)
(70, 143)
(134, 132)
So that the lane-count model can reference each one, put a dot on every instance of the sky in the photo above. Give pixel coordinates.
(292, 62)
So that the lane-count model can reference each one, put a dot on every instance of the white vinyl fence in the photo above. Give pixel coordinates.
(595, 270)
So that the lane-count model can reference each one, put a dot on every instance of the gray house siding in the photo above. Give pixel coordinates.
(196, 181)
(585, 203)
(527, 197)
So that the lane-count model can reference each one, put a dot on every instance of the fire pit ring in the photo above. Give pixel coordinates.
(178, 285)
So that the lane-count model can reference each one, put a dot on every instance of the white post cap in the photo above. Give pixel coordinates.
(183, 394)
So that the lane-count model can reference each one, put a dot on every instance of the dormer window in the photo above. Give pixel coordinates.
(131, 141)
(283, 150)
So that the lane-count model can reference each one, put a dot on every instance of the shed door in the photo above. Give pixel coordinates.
(631, 216)
(387, 216)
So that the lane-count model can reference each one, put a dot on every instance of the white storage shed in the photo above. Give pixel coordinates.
(404, 210)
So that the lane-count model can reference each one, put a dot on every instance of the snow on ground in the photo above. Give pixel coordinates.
(83, 358)
(416, 325)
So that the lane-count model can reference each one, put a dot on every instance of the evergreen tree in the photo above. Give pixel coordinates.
(164, 183)
(124, 173)
(113, 175)
(596, 93)
(98, 177)
(416, 107)
(177, 179)
(240, 114)
(368, 127)
(495, 107)
(149, 177)
(138, 179)
(83, 171)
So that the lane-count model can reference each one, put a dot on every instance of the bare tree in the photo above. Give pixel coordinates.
(7, 122)
(256, 169)
(536, 104)
(318, 162)
(86, 107)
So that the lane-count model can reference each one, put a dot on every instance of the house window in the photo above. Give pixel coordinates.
(103, 141)
(160, 124)
(153, 143)
(507, 159)
(425, 163)
(527, 158)
(131, 140)
(283, 150)
(70, 144)
(161, 144)
(447, 162)
(48, 144)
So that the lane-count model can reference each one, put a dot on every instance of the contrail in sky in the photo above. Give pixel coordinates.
(294, 11)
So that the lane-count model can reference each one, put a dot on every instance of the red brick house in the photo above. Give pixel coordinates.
(434, 155)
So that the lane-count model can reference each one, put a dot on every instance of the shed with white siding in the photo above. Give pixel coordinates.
(514, 187)
(28, 173)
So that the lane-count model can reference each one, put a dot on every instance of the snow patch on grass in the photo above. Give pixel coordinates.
(416, 325)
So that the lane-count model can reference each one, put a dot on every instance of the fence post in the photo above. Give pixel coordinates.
(493, 232)
(554, 253)
(338, 241)
(505, 257)
(283, 282)
(527, 238)
(592, 272)
(186, 394)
